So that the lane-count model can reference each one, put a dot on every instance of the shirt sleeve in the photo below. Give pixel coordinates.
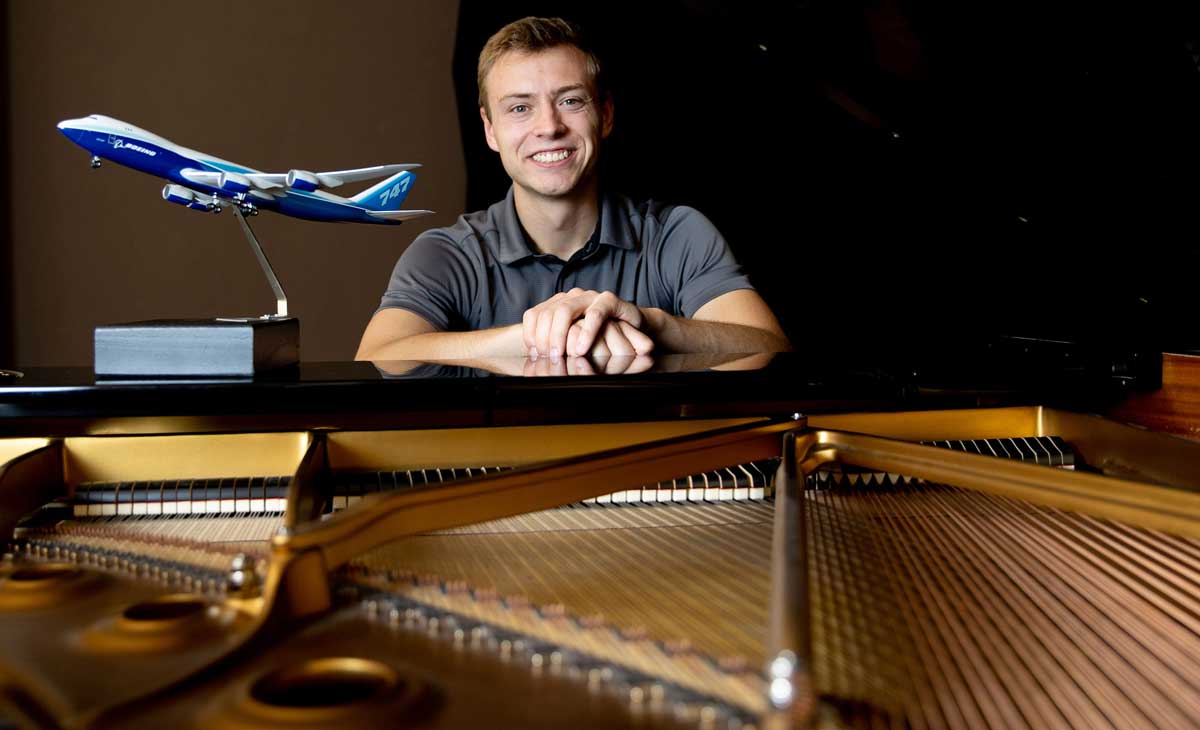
(696, 263)
(435, 279)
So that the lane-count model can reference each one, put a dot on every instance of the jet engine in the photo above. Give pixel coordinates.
(232, 182)
(302, 180)
(182, 196)
(178, 194)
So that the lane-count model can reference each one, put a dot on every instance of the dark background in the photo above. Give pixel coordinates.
(913, 170)
(886, 170)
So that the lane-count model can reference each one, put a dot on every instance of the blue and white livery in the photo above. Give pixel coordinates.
(204, 182)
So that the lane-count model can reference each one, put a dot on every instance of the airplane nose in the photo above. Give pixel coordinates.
(70, 130)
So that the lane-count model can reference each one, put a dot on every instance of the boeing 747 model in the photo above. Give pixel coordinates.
(203, 182)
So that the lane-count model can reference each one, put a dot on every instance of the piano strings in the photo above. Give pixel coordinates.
(931, 605)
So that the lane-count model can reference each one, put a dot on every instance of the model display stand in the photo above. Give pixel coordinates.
(221, 347)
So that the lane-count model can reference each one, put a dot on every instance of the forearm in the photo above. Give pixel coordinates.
(495, 342)
(678, 334)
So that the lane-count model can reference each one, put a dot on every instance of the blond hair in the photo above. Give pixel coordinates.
(531, 35)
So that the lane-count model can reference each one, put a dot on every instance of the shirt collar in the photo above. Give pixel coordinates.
(511, 246)
(616, 230)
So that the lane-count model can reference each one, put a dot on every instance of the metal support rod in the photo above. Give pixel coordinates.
(789, 650)
(281, 309)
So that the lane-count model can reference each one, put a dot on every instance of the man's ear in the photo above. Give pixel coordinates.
(488, 133)
(606, 117)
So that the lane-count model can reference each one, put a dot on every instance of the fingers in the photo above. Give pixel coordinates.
(529, 320)
(611, 363)
(604, 307)
(573, 322)
(614, 351)
(544, 367)
(639, 364)
(614, 339)
(618, 344)
(638, 340)
(556, 341)
(572, 337)
(600, 351)
(541, 335)
(615, 307)
(544, 326)
(528, 323)
(587, 329)
(628, 365)
(580, 366)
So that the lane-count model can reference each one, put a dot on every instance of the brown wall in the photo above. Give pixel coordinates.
(272, 85)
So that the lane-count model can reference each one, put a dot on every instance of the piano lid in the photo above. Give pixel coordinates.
(832, 373)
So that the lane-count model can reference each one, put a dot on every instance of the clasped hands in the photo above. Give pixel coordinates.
(581, 323)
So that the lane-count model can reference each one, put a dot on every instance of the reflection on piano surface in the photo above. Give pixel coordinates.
(861, 569)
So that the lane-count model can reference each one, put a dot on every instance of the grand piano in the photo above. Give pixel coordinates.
(791, 542)
(868, 533)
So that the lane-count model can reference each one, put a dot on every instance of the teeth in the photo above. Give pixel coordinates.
(551, 156)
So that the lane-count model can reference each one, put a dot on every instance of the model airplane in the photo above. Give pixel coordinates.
(204, 182)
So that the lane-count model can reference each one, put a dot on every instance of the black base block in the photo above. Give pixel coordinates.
(197, 347)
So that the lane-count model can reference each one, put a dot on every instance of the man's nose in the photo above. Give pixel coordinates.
(549, 121)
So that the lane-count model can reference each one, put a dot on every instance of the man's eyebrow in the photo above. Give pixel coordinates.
(529, 95)
(572, 87)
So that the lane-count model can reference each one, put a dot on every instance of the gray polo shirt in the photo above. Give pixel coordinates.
(482, 271)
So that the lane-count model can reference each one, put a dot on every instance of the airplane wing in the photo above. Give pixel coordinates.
(204, 199)
(398, 215)
(201, 177)
(266, 180)
(257, 180)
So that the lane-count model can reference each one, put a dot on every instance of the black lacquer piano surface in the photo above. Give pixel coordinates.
(804, 542)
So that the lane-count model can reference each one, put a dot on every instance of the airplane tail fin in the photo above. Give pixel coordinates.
(386, 195)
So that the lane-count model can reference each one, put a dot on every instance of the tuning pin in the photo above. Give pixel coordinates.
(634, 633)
(405, 577)
(486, 594)
(553, 611)
(677, 647)
(592, 621)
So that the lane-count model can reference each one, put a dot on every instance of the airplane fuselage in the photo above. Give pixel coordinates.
(130, 146)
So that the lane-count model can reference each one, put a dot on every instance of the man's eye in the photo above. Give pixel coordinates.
(519, 109)
(572, 101)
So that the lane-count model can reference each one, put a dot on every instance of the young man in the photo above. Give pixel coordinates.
(560, 268)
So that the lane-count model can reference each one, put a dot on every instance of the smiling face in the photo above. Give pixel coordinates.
(546, 121)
